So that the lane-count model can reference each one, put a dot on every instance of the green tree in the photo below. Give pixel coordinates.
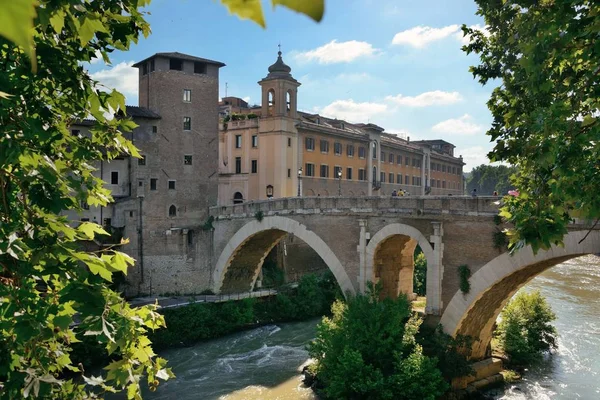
(420, 273)
(489, 178)
(546, 56)
(525, 331)
(52, 292)
(367, 350)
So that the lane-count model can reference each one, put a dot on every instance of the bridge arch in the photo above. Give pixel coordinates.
(241, 260)
(390, 252)
(493, 285)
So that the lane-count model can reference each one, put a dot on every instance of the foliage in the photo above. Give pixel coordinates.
(367, 350)
(545, 110)
(259, 215)
(208, 224)
(499, 239)
(452, 361)
(238, 117)
(252, 9)
(252, 116)
(420, 274)
(489, 178)
(53, 293)
(202, 321)
(497, 220)
(464, 273)
(273, 276)
(525, 330)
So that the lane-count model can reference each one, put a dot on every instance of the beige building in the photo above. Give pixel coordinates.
(277, 151)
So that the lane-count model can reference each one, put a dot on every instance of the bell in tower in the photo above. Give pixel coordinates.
(279, 91)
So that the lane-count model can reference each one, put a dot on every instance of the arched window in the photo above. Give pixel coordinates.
(238, 198)
(271, 101)
(374, 174)
(374, 150)
(172, 211)
(288, 101)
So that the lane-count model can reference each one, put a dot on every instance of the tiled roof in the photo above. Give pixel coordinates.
(141, 112)
(181, 56)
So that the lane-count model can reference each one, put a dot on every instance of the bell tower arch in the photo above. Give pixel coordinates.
(279, 91)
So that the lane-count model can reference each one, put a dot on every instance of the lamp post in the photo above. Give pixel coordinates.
(299, 179)
(339, 175)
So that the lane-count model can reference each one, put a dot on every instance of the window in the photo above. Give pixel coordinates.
(254, 169)
(382, 177)
(171, 184)
(444, 168)
(254, 141)
(443, 184)
(399, 179)
(187, 96)
(154, 129)
(75, 132)
(406, 161)
(349, 173)
(453, 170)
(361, 152)
(187, 123)
(337, 149)
(337, 172)
(414, 182)
(350, 150)
(309, 169)
(153, 182)
(145, 69)
(391, 159)
(289, 173)
(114, 178)
(433, 183)
(324, 146)
(176, 64)
(289, 142)
(199, 68)
(309, 143)
(107, 222)
(406, 182)
(187, 160)
(383, 156)
(374, 150)
(190, 237)
(238, 141)
(391, 178)
(238, 198)
(142, 161)
(324, 171)
(172, 211)
(151, 65)
(140, 182)
(238, 165)
(439, 167)
(361, 175)
(399, 159)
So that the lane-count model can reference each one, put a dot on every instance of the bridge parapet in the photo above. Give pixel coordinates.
(409, 205)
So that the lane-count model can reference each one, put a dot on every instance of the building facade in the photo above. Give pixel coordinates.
(162, 200)
(276, 151)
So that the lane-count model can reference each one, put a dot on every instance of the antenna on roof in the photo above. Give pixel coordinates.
(226, 86)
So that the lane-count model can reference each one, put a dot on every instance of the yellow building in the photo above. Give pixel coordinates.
(277, 151)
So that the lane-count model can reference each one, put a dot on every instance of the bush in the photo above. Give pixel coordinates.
(525, 331)
(273, 276)
(464, 273)
(367, 350)
(420, 274)
(446, 349)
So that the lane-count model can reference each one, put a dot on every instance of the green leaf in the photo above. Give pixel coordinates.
(89, 27)
(312, 8)
(16, 24)
(90, 229)
(246, 9)
(57, 20)
(588, 120)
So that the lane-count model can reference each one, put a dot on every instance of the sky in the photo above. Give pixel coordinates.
(394, 63)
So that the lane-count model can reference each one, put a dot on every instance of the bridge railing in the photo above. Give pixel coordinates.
(413, 205)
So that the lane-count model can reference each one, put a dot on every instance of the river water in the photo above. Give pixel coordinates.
(264, 363)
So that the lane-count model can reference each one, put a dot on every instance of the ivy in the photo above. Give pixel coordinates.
(464, 273)
(259, 215)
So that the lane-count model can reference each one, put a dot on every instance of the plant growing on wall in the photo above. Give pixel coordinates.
(259, 215)
(464, 273)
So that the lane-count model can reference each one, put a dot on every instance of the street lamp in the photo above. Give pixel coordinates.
(299, 179)
(339, 174)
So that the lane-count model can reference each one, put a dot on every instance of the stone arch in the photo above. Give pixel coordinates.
(241, 260)
(172, 210)
(271, 101)
(496, 282)
(390, 239)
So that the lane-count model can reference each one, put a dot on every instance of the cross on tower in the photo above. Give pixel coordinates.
(279, 45)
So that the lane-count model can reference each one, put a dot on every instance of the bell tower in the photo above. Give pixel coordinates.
(279, 91)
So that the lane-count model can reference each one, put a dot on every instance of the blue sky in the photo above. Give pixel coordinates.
(396, 63)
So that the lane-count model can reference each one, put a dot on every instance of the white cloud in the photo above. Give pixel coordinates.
(458, 126)
(246, 99)
(473, 156)
(466, 39)
(97, 58)
(421, 36)
(435, 98)
(122, 77)
(338, 52)
(351, 111)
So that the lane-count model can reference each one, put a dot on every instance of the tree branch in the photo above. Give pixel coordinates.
(588, 232)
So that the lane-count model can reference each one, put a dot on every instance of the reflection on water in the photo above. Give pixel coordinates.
(573, 371)
(263, 363)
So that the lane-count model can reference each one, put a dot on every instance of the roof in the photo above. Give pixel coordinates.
(434, 141)
(180, 56)
(141, 112)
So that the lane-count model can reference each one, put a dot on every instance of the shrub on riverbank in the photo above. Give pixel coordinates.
(525, 331)
(368, 350)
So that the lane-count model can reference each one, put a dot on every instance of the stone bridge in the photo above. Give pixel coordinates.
(364, 239)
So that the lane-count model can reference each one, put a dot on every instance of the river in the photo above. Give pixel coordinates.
(263, 363)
